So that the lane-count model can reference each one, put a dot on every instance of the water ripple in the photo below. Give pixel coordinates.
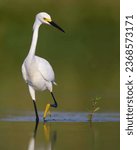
(65, 117)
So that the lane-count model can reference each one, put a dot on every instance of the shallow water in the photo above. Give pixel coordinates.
(75, 132)
(64, 117)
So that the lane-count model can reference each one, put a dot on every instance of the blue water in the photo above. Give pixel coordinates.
(65, 117)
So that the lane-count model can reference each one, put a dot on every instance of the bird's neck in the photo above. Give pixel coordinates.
(32, 50)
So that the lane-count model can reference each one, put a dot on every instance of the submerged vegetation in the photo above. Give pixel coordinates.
(94, 107)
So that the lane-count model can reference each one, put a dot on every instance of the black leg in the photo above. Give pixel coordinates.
(55, 102)
(36, 113)
(35, 130)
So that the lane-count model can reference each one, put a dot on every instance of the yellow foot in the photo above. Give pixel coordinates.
(46, 112)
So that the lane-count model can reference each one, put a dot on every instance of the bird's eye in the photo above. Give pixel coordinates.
(46, 19)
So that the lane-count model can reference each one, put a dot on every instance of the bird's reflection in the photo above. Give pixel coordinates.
(31, 145)
(50, 137)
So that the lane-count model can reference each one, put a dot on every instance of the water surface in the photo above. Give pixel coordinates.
(57, 133)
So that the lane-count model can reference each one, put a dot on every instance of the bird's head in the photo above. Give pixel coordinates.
(44, 18)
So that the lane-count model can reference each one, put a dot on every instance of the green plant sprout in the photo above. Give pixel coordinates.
(94, 107)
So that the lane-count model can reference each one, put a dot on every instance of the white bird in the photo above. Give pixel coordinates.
(37, 72)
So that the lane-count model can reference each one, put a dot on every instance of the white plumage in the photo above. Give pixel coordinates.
(37, 72)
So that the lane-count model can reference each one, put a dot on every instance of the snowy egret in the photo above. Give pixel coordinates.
(37, 72)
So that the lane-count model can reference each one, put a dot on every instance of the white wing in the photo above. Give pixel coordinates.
(45, 69)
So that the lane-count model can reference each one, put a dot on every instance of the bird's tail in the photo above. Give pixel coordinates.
(55, 83)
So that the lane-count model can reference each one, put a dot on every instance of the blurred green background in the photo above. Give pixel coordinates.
(85, 59)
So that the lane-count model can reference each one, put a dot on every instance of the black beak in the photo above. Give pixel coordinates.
(56, 26)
